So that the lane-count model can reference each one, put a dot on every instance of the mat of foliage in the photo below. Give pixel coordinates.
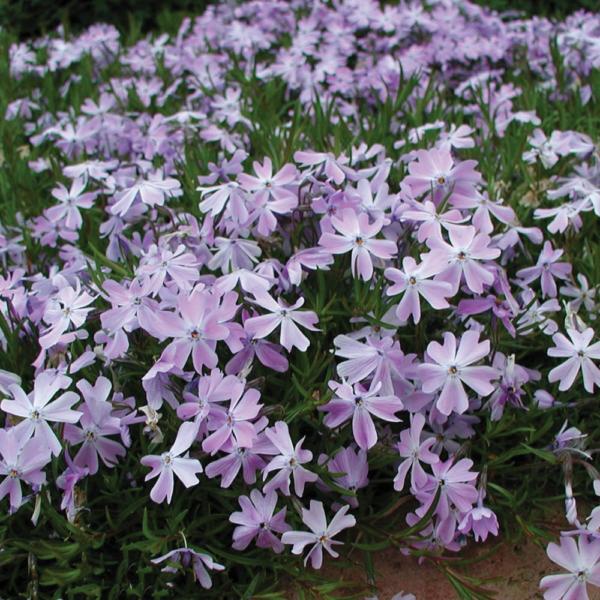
(299, 282)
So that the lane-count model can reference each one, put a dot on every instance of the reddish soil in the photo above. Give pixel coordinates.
(512, 572)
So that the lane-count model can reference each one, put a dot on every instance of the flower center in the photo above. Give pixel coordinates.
(441, 180)
(167, 458)
(13, 473)
(359, 241)
(461, 255)
(293, 462)
(34, 415)
(452, 370)
(412, 281)
(90, 436)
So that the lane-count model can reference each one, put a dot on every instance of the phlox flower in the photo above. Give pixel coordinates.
(256, 520)
(288, 462)
(151, 191)
(350, 470)
(321, 533)
(414, 451)
(357, 237)
(195, 329)
(272, 194)
(163, 466)
(37, 409)
(162, 264)
(284, 316)
(70, 306)
(360, 404)
(22, 461)
(414, 281)
(435, 172)
(235, 422)
(200, 562)
(579, 352)
(454, 480)
(546, 269)
(581, 558)
(461, 258)
(70, 202)
(96, 424)
(451, 367)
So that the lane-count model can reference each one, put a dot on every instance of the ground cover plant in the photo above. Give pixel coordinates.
(296, 282)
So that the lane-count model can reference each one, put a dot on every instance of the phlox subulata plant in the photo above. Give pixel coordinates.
(297, 282)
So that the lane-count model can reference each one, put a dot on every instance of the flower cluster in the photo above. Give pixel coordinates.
(216, 301)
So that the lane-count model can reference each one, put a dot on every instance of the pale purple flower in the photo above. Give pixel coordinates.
(431, 221)
(357, 236)
(163, 264)
(461, 258)
(451, 367)
(272, 194)
(582, 295)
(256, 520)
(66, 482)
(200, 562)
(350, 469)
(70, 202)
(151, 191)
(38, 409)
(163, 466)
(326, 162)
(454, 480)
(195, 330)
(435, 172)
(376, 357)
(235, 422)
(481, 521)
(69, 306)
(414, 281)
(581, 558)
(96, 424)
(22, 461)
(321, 533)
(579, 352)
(359, 403)
(414, 451)
(288, 462)
(546, 269)
(282, 315)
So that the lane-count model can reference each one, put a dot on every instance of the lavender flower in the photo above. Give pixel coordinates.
(321, 533)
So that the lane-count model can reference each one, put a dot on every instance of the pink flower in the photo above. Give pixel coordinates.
(200, 562)
(357, 237)
(359, 404)
(321, 533)
(451, 368)
(284, 316)
(579, 353)
(414, 282)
